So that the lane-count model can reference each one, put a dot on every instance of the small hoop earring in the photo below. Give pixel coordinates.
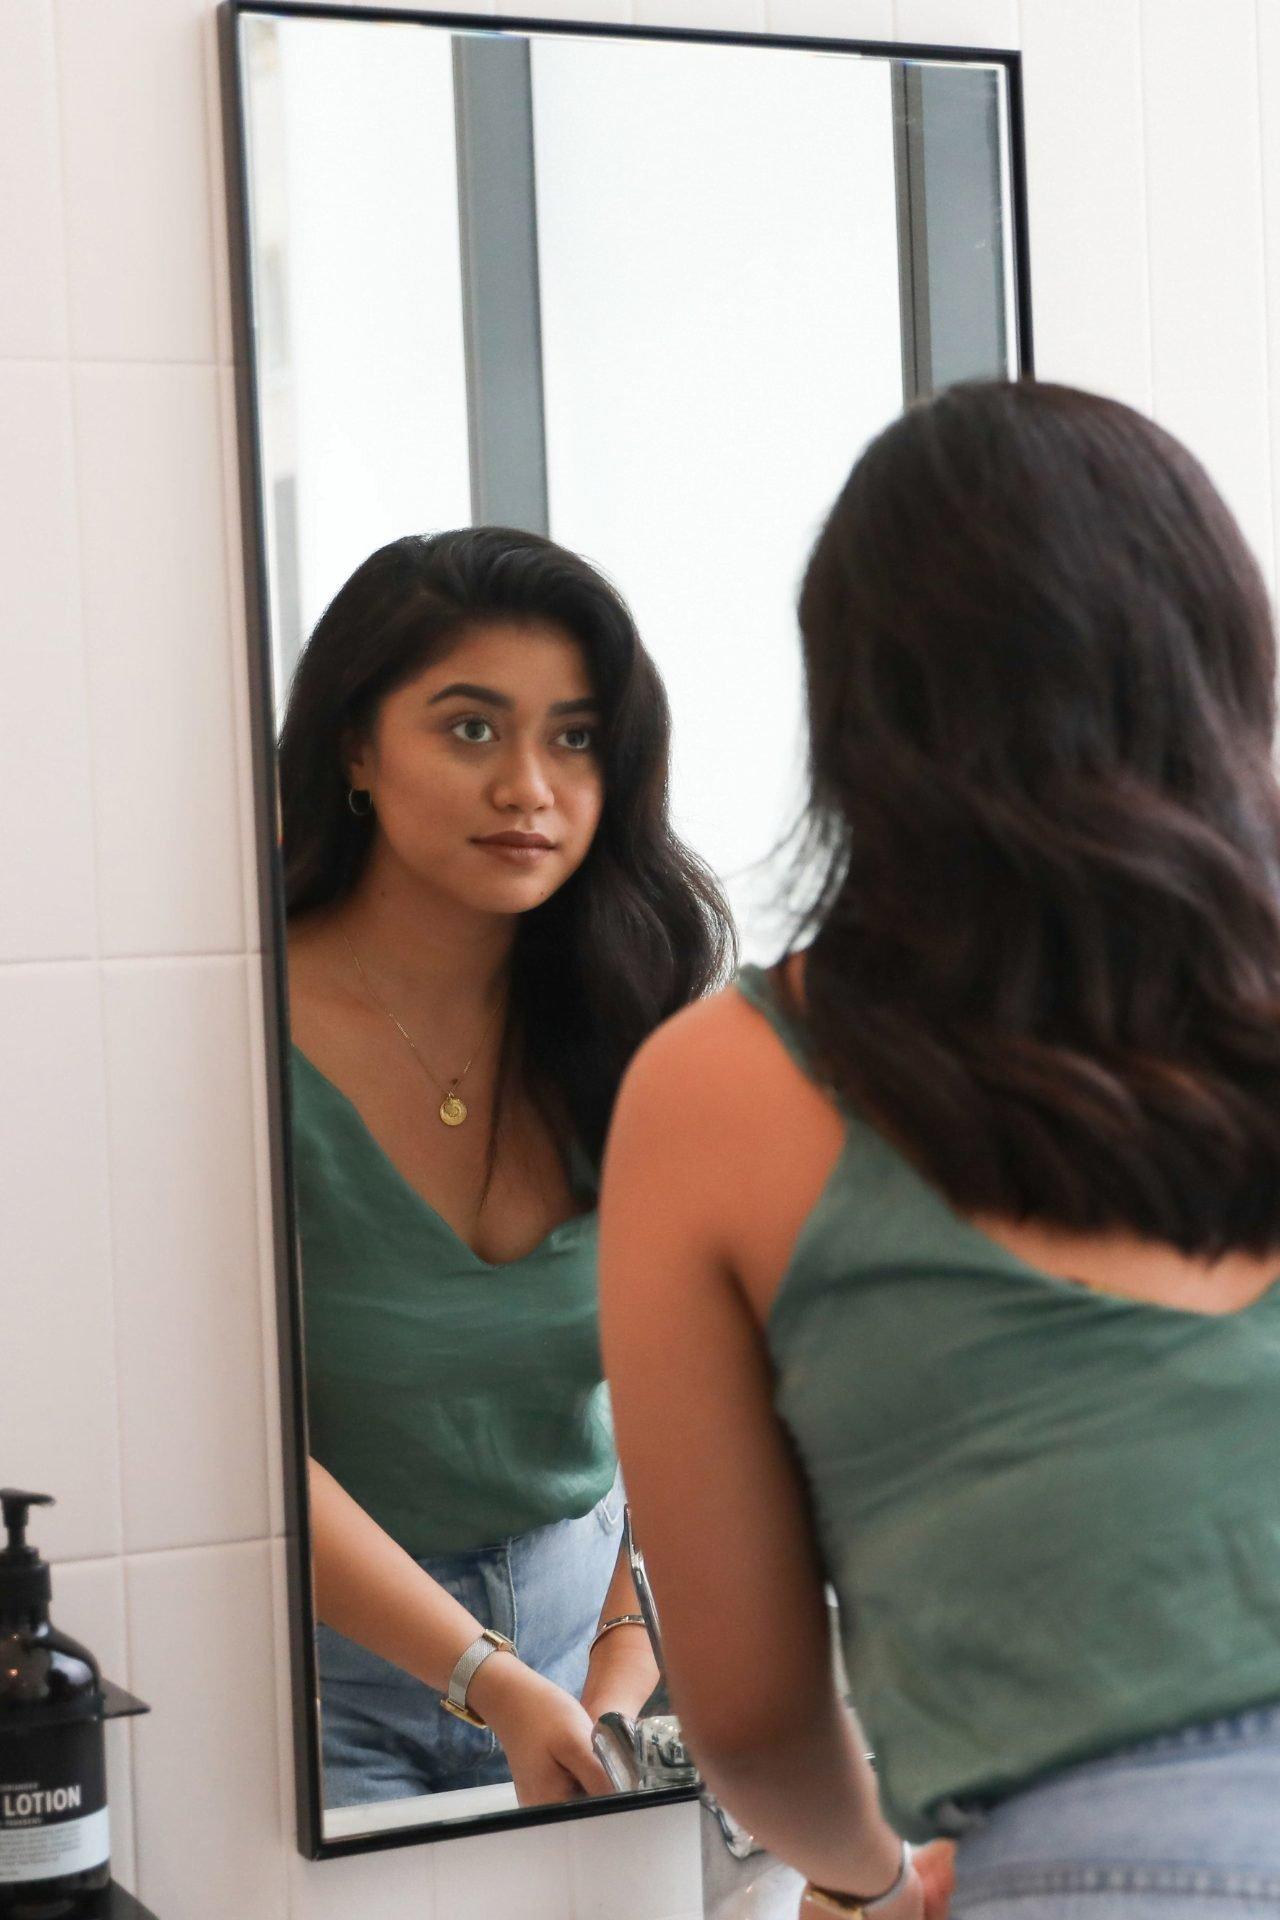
(360, 793)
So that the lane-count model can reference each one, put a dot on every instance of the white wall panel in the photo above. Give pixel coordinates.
(58, 1405)
(840, 19)
(1204, 197)
(396, 1885)
(642, 1864)
(33, 275)
(958, 23)
(136, 150)
(170, 873)
(607, 12)
(205, 1761)
(47, 879)
(733, 16)
(526, 1872)
(184, 1218)
(1087, 188)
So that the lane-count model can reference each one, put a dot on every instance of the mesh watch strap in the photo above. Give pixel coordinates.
(455, 1700)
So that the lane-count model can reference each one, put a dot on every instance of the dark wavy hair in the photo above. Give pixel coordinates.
(1045, 953)
(641, 928)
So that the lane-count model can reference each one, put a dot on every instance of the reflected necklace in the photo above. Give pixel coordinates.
(452, 1110)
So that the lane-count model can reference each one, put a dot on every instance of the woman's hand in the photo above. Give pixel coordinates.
(544, 1732)
(936, 1866)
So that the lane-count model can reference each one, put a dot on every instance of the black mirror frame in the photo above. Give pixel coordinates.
(305, 1682)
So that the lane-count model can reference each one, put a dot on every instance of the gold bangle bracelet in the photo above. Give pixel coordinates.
(623, 1620)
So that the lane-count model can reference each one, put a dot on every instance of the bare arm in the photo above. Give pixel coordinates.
(370, 1589)
(719, 1501)
(622, 1672)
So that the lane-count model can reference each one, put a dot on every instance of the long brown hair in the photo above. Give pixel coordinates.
(1045, 953)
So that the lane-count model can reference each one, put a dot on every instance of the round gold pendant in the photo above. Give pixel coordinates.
(452, 1110)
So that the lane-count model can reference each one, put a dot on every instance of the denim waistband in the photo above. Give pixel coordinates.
(1193, 1813)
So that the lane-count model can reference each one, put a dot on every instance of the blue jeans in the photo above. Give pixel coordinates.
(1186, 1827)
(385, 1735)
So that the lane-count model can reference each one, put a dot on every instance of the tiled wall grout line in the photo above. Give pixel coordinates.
(95, 850)
(74, 360)
(129, 959)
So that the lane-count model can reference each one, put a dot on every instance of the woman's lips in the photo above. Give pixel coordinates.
(517, 849)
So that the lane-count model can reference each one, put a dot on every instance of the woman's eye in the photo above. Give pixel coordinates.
(578, 739)
(476, 732)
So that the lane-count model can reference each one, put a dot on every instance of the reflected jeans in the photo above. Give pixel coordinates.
(1186, 1827)
(385, 1735)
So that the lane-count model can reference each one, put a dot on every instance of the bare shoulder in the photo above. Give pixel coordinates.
(719, 1141)
(701, 1055)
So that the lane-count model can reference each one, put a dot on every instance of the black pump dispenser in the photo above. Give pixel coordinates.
(54, 1849)
(25, 1587)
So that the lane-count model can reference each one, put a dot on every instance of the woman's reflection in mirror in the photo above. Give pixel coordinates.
(488, 912)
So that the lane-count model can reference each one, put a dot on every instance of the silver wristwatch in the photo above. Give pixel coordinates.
(454, 1701)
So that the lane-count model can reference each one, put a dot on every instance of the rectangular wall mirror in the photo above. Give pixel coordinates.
(648, 294)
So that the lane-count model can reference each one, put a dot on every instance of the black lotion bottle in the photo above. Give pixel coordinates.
(54, 1848)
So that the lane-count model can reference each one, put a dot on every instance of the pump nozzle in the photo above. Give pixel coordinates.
(24, 1577)
(16, 1506)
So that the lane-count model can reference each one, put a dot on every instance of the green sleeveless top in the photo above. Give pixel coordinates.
(458, 1402)
(1051, 1515)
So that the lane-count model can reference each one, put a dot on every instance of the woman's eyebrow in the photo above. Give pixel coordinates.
(466, 690)
(470, 692)
(587, 704)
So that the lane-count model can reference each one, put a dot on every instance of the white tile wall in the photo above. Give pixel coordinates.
(958, 23)
(185, 1242)
(136, 159)
(47, 880)
(1205, 244)
(631, 1869)
(840, 19)
(133, 1219)
(153, 565)
(206, 1763)
(738, 16)
(33, 274)
(1088, 196)
(59, 1414)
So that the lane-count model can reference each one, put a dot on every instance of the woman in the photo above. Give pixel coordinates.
(488, 912)
(961, 1288)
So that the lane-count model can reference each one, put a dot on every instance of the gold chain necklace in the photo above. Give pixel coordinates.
(452, 1110)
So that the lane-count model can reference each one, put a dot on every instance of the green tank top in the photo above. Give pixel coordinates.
(1051, 1515)
(457, 1401)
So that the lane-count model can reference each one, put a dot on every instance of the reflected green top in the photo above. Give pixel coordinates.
(1051, 1515)
(458, 1402)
